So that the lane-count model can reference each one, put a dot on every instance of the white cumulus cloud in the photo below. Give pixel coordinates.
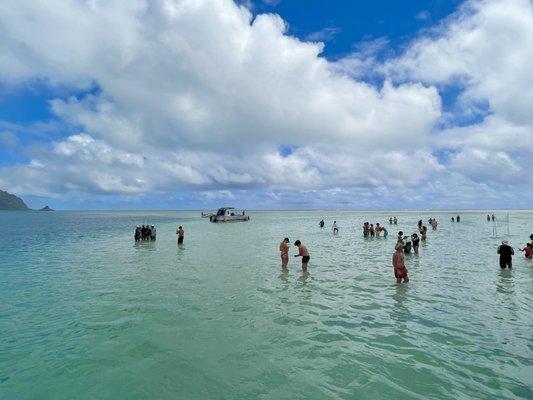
(203, 95)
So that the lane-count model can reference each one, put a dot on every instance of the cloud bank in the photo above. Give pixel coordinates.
(201, 96)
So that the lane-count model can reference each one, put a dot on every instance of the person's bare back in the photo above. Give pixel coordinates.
(304, 253)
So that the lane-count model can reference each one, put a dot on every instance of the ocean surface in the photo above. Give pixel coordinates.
(87, 314)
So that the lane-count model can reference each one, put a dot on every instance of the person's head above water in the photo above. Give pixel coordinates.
(286, 240)
(297, 243)
(400, 233)
(179, 227)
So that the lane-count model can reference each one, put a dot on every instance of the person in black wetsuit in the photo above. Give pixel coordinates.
(137, 235)
(506, 253)
(407, 247)
(321, 223)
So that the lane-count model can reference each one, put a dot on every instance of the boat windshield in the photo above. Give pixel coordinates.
(221, 211)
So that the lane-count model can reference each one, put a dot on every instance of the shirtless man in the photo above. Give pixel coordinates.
(434, 224)
(181, 234)
(284, 250)
(400, 271)
(302, 252)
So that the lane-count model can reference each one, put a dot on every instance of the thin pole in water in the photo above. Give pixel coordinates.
(508, 224)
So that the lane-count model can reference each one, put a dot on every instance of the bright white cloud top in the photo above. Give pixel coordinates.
(198, 95)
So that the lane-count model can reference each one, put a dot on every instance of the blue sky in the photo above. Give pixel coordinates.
(267, 104)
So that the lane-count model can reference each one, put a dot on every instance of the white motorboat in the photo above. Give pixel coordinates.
(229, 214)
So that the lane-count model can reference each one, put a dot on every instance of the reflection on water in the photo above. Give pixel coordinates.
(284, 276)
(505, 282)
(304, 277)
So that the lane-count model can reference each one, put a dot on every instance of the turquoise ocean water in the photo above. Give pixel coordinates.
(86, 314)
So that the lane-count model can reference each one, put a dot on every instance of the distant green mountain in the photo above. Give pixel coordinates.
(11, 202)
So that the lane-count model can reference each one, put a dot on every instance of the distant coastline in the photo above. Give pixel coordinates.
(11, 202)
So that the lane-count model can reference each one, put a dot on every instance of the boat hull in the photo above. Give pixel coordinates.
(229, 218)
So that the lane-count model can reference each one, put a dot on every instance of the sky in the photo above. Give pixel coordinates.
(267, 104)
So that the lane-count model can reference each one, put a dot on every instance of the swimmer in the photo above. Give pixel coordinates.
(416, 241)
(137, 235)
(378, 229)
(335, 228)
(488, 217)
(493, 217)
(528, 251)
(181, 234)
(400, 271)
(385, 231)
(395, 220)
(390, 220)
(434, 224)
(302, 252)
(458, 219)
(506, 253)
(321, 223)
(419, 224)
(372, 230)
(284, 250)
(153, 233)
(453, 220)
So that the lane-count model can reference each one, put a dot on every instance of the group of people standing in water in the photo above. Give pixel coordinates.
(404, 245)
(149, 233)
(506, 252)
(144, 233)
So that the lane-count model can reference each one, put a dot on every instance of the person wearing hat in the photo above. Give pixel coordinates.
(506, 253)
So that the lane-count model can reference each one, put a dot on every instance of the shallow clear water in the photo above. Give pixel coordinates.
(85, 313)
